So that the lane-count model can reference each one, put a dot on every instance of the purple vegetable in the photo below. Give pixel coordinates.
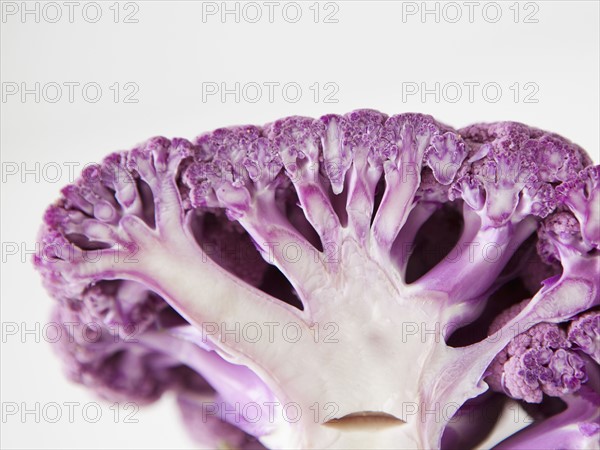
(331, 282)
(537, 362)
(584, 332)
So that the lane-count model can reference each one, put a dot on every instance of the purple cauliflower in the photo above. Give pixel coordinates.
(330, 283)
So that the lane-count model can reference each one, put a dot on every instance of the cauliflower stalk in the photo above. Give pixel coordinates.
(186, 247)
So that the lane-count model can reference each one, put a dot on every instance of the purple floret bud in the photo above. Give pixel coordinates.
(582, 196)
(297, 141)
(445, 156)
(515, 167)
(536, 362)
(362, 128)
(584, 332)
(558, 234)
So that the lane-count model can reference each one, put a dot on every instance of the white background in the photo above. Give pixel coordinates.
(373, 54)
